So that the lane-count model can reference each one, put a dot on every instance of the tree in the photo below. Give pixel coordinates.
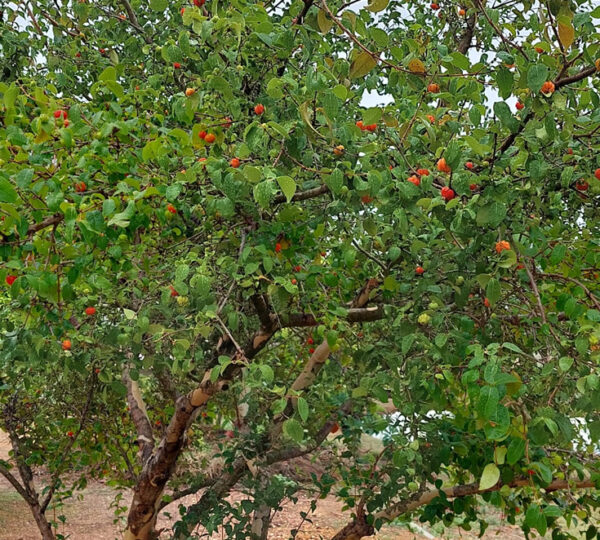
(198, 199)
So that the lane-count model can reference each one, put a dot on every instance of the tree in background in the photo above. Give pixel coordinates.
(203, 219)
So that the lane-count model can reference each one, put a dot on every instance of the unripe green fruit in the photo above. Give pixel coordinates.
(433, 305)
(44, 118)
(424, 319)
(183, 300)
(460, 280)
(122, 238)
(485, 163)
(344, 190)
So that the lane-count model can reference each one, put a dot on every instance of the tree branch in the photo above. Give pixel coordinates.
(137, 410)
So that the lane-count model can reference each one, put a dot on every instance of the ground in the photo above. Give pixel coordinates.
(92, 517)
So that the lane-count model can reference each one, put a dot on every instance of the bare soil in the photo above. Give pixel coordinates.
(91, 516)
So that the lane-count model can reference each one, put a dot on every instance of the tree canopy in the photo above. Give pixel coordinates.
(263, 222)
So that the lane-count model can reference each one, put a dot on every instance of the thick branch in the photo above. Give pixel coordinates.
(303, 195)
(137, 409)
(15, 483)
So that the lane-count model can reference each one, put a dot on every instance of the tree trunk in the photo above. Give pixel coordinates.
(41, 521)
(261, 520)
(356, 530)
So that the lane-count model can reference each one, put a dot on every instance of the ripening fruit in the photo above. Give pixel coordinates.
(189, 92)
(486, 302)
(539, 50)
(202, 135)
(297, 268)
(210, 138)
(419, 270)
(235, 163)
(366, 199)
(171, 209)
(371, 127)
(431, 118)
(226, 122)
(414, 180)
(520, 106)
(176, 65)
(469, 165)
(548, 87)
(335, 428)
(442, 166)
(582, 186)
(462, 12)
(70, 434)
(58, 113)
(596, 173)
(66, 345)
(360, 125)
(277, 247)
(66, 123)
(259, 109)
(310, 341)
(338, 150)
(294, 281)
(447, 193)
(199, 3)
(473, 187)
(502, 246)
(423, 172)
(311, 350)
(90, 311)
(182, 10)
(174, 292)
(434, 6)
(433, 87)
(80, 187)
(10, 279)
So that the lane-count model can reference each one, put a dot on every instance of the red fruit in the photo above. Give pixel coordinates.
(57, 113)
(297, 268)
(597, 174)
(90, 310)
(423, 172)
(202, 159)
(294, 281)
(473, 187)
(171, 208)
(530, 472)
(80, 187)
(102, 51)
(435, 6)
(176, 65)
(517, 510)
(182, 10)
(366, 199)
(323, 253)
(548, 87)
(226, 122)
(486, 302)
(433, 87)
(173, 291)
(277, 247)
(447, 193)
(469, 165)
(335, 428)
(311, 350)
(78, 54)
(414, 180)
(202, 134)
(520, 267)
(431, 118)
(10, 279)
(157, 422)
(204, 415)
(235, 163)
(229, 434)
(360, 125)
(310, 341)
(210, 138)
(519, 105)
(97, 370)
(442, 166)
(199, 3)
(66, 123)
(462, 12)
(570, 151)
(419, 270)
(582, 186)
(539, 50)
(70, 434)
(66, 345)
(259, 109)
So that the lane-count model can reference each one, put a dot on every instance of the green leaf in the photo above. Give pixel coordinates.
(109, 74)
(158, 5)
(324, 22)
(491, 214)
(515, 452)
(504, 79)
(488, 401)
(293, 429)
(565, 363)
(267, 372)
(8, 193)
(302, 409)
(536, 76)
(493, 290)
(363, 63)
(377, 5)
(503, 112)
(489, 477)
(288, 186)
(263, 193)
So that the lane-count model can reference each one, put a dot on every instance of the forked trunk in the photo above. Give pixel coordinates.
(42, 523)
